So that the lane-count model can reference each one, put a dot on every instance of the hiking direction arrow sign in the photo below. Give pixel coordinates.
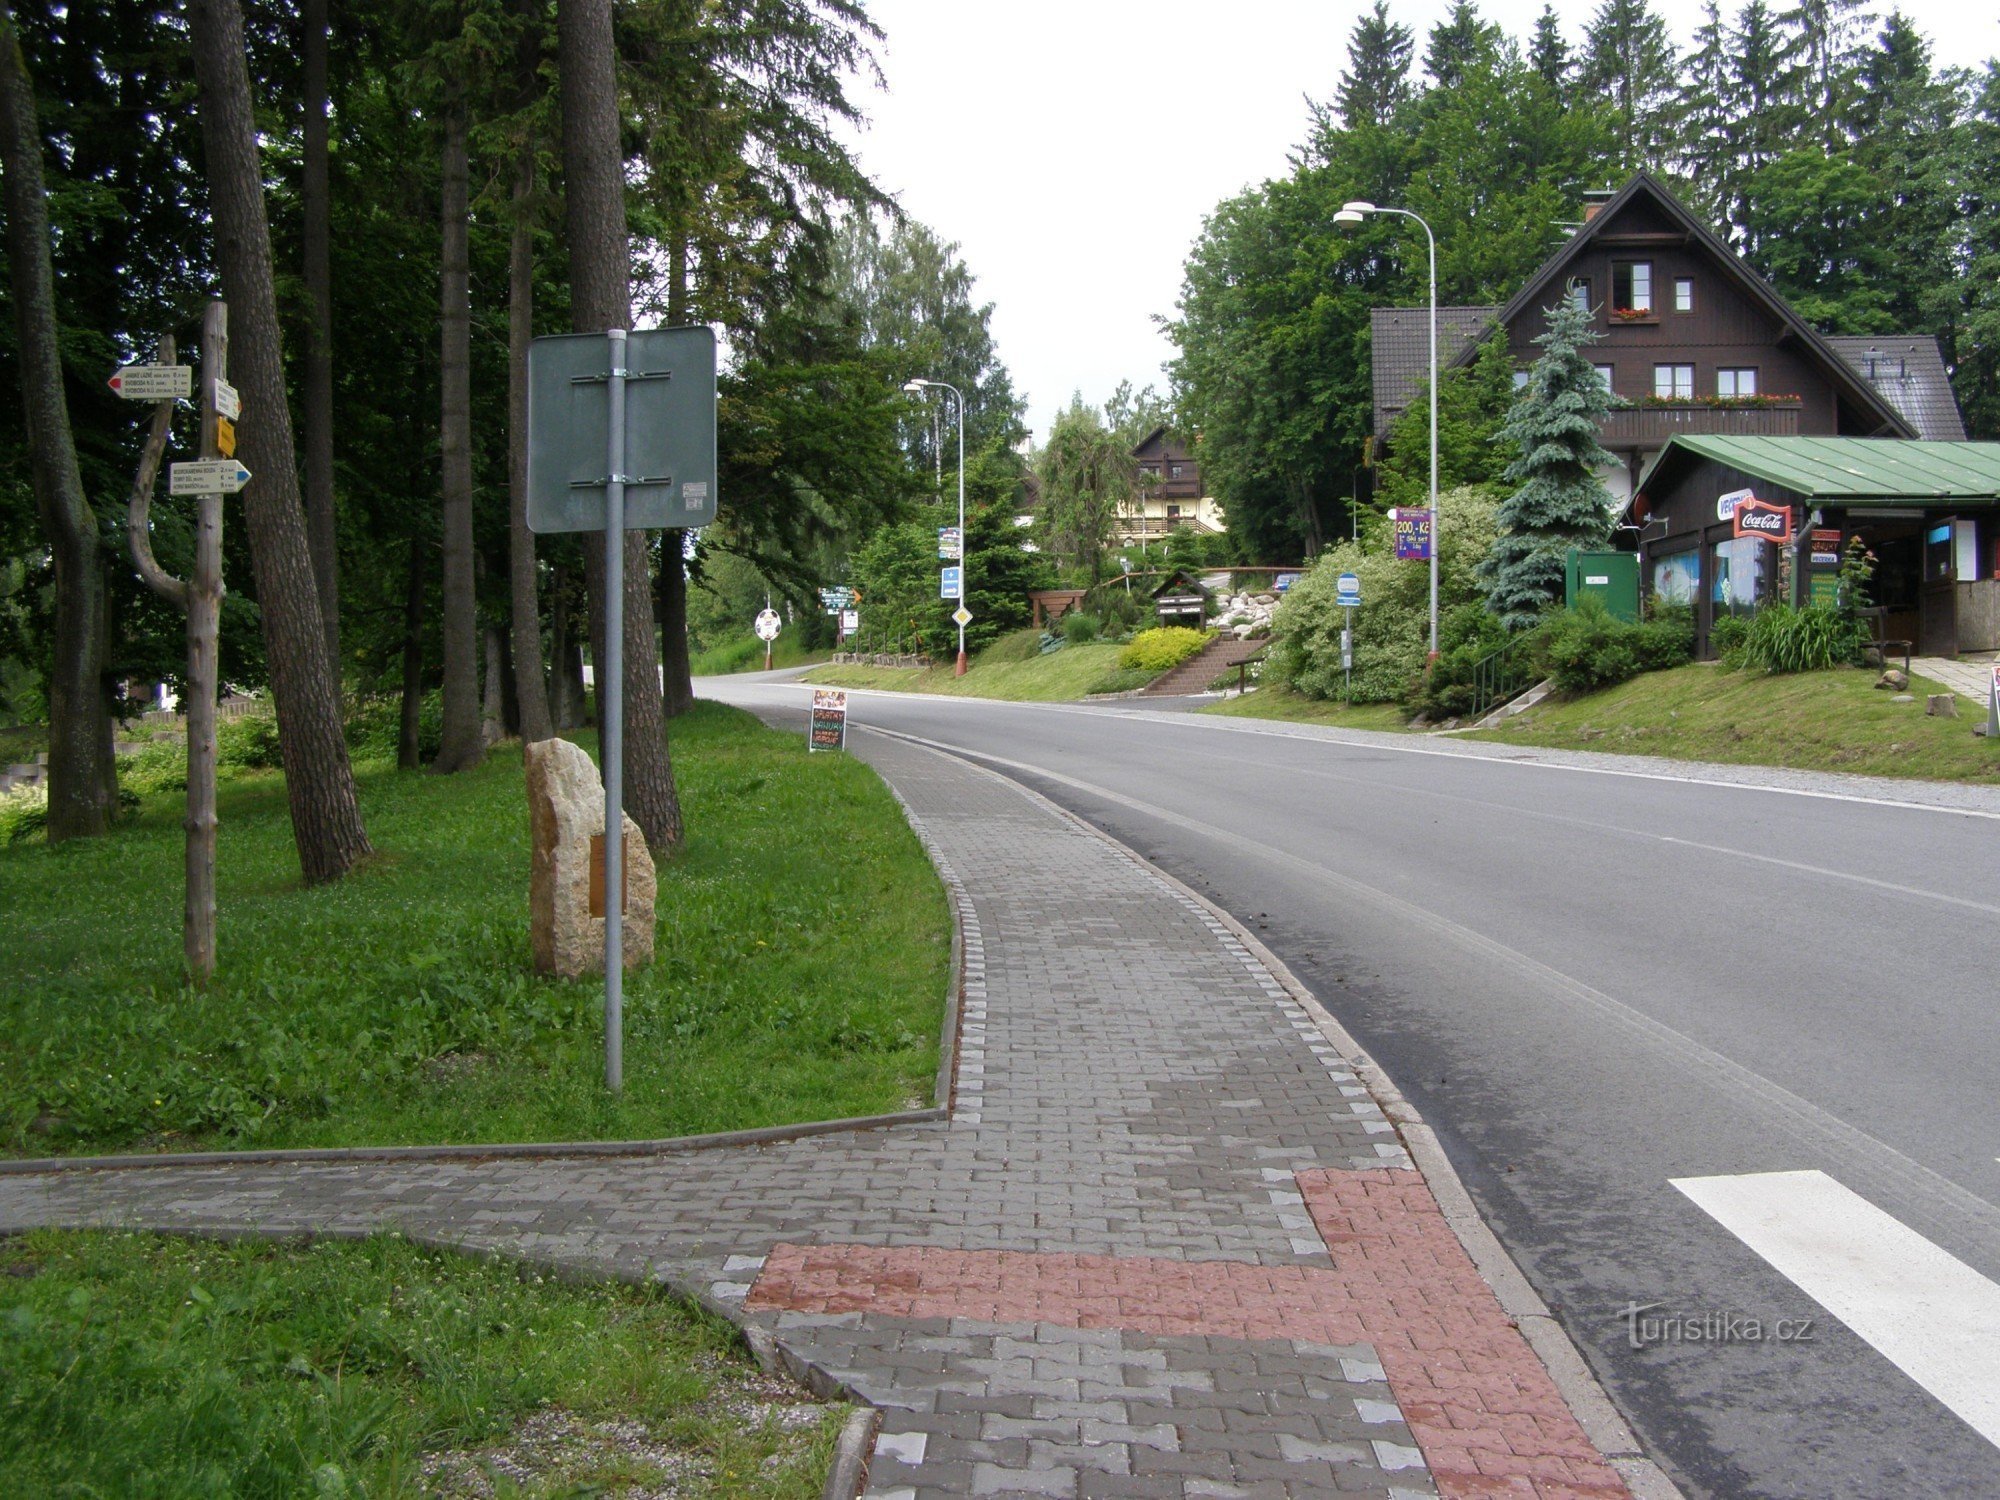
(208, 476)
(154, 383)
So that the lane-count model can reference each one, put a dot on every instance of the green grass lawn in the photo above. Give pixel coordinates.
(191, 1370)
(1071, 673)
(802, 962)
(746, 654)
(1277, 701)
(1823, 721)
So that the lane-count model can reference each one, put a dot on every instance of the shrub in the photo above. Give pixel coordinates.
(1466, 637)
(1078, 627)
(374, 725)
(1726, 637)
(1162, 647)
(1584, 648)
(24, 814)
(1784, 639)
(1119, 610)
(1391, 626)
(248, 743)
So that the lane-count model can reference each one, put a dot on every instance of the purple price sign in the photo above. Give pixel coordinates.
(1413, 533)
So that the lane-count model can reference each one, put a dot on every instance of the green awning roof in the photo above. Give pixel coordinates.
(1863, 470)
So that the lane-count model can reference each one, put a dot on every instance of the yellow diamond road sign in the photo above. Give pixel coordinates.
(961, 616)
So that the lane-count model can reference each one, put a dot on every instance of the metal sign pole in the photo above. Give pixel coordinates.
(612, 697)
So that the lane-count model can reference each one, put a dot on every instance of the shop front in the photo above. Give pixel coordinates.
(1727, 525)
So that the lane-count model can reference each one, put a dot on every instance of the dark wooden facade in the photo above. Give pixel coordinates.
(1708, 317)
(1937, 563)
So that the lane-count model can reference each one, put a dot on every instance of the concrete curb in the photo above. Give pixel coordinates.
(850, 1457)
(962, 922)
(1594, 1410)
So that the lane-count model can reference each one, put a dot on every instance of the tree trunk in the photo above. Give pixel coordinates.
(462, 745)
(676, 673)
(83, 784)
(600, 298)
(677, 677)
(526, 614)
(493, 706)
(409, 750)
(326, 818)
(316, 407)
(567, 708)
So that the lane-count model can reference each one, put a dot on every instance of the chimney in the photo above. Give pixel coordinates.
(1594, 200)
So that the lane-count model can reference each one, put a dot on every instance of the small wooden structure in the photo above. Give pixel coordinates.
(1051, 605)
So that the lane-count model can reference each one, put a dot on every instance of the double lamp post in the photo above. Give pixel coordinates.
(917, 388)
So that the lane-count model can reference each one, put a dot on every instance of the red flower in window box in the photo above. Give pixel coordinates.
(1631, 314)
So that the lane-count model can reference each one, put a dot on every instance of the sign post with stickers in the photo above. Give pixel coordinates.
(621, 437)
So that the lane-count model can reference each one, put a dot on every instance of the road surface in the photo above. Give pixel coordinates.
(1719, 1063)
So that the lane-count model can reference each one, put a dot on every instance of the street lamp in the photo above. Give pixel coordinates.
(917, 388)
(1351, 214)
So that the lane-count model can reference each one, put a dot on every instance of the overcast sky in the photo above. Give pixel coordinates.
(1072, 149)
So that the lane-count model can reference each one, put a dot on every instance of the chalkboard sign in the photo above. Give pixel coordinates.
(829, 720)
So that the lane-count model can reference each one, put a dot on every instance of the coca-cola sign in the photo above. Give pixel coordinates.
(1760, 518)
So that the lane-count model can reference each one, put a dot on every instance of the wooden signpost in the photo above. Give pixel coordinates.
(199, 597)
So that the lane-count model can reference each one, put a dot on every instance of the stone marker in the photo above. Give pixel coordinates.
(1941, 705)
(566, 811)
(1892, 681)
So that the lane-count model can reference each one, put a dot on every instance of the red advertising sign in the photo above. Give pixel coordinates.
(1761, 518)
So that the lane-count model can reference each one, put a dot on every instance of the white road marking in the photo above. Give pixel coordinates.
(1925, 1311)
(1822, 870)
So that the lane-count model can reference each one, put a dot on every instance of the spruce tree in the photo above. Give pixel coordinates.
(1629, 58)
(1548, 54)
(1377, 81)
(1463, 43)
(1561, 503)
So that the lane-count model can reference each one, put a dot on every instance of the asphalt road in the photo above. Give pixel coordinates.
(1593, 984)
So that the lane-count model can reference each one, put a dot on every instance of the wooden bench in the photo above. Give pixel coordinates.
(1883, 646)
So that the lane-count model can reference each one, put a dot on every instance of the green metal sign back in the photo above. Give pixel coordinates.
(669, 429)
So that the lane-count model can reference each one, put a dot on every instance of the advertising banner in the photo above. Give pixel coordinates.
(1413, 533)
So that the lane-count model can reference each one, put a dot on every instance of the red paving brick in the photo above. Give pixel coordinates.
(1491, 1423)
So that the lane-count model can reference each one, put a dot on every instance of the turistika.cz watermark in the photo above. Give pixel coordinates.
(1646, 1324)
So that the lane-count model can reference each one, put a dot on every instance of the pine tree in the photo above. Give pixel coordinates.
(1763, 93)
(1826, 31)
(1628, 56)
(1377, 81)
(1561, 503)
(1707, 119)
(1548, 54)
(1460, 45)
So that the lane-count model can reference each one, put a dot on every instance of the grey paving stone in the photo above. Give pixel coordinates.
(1133, 1083)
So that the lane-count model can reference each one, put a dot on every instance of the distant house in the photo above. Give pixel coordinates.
(1170, 492)
(1696, 342)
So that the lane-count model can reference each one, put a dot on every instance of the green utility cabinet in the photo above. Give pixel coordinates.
(1612, 576)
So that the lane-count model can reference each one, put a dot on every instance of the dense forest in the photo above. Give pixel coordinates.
(396, 195)
(427, 199)
(1842, 159)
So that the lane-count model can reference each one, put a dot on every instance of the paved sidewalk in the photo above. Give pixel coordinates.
(1166, 1245)
(1968, 676)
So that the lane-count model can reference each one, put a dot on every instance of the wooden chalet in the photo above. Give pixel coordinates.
(1694, 340)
